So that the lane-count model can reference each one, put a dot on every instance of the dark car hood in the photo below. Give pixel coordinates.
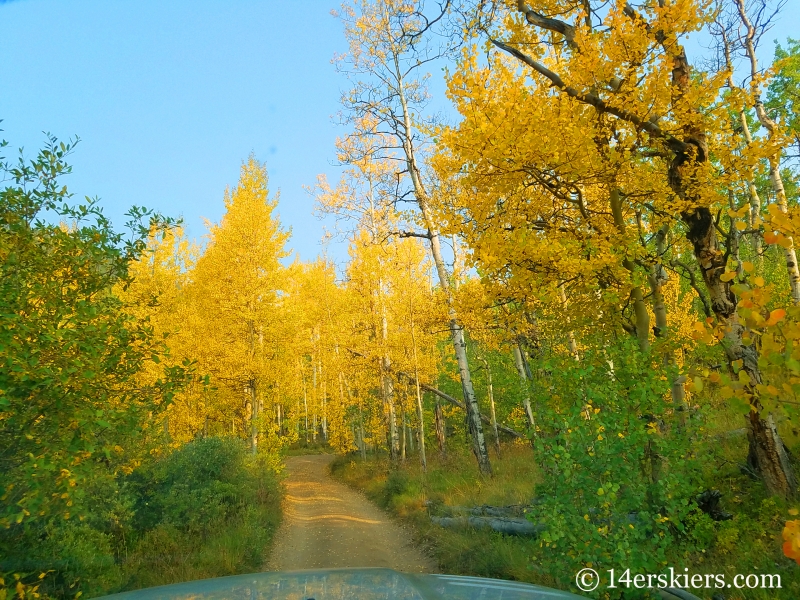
(347, 584)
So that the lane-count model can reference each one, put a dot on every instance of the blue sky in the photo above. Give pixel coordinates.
(168, 98)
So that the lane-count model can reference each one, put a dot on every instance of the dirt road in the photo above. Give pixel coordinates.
(328, 525)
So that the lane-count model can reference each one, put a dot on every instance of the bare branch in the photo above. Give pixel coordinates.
(539, 20)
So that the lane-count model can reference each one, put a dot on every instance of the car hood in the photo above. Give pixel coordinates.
(347, 584)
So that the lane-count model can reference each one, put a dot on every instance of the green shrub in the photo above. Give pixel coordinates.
(200, 484)
(397, 483)
(208, 509)
(619, 472)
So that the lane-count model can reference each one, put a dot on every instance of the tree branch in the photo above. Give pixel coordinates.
(539, 20)
(407, 234)
(594, 100)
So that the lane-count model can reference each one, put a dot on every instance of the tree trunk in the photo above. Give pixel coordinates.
(755, 200)
(363, 445)
(519, 361)
(491, 406)
(766, 447)
(388, 385)
(324, 404)
(422, 458)
(251, 388)
(572, 344)
(388, 399)
(657, 278)
(305, 399)
(403, 441)
(641, 316)
(456, 330)
(459, 345)
(774, 160)
(755, 203)
(440, 429)
(768, 455)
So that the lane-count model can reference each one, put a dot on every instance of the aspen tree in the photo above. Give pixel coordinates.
(631, 82)
(775, 136)
(384, 63)
(236, 284)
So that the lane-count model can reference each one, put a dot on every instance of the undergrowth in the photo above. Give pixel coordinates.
(207, 509)
(748, 543)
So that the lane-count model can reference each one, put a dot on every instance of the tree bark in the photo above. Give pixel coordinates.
(456, 330)
(657, 278)
(491, 406)
(641, 316)
(422, 458)
(388, 385)
(519, 362)
(766, 447)
(251, 389)
(440, 429)
(572, 344)
(305, 398)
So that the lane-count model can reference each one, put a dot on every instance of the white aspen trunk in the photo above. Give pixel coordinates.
(411, 435)
(657, 278)
(571, 343)
(422, 458)
(324, 404)
(361, 430)
(388, 386)
(755, 201)
(253, 417)
(421, 431)
(519, 362)
(405, 435)
(774, 161)
(305, 398)
(456, 264)
(315, 396)
(491, 406)
(456, 330)
(641, 316)
(362, 446)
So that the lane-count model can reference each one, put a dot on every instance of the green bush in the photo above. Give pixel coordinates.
(619, 472)
(201, 483)
(207, 509)
(397, 483)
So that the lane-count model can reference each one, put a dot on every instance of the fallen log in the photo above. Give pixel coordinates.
(507, 526)
(461, 405)
(515, 510)
(447, 398)
(485, 510)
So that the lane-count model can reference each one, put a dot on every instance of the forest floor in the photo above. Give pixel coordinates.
(327, 524)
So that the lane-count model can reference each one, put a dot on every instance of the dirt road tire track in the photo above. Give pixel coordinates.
(328, 525)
